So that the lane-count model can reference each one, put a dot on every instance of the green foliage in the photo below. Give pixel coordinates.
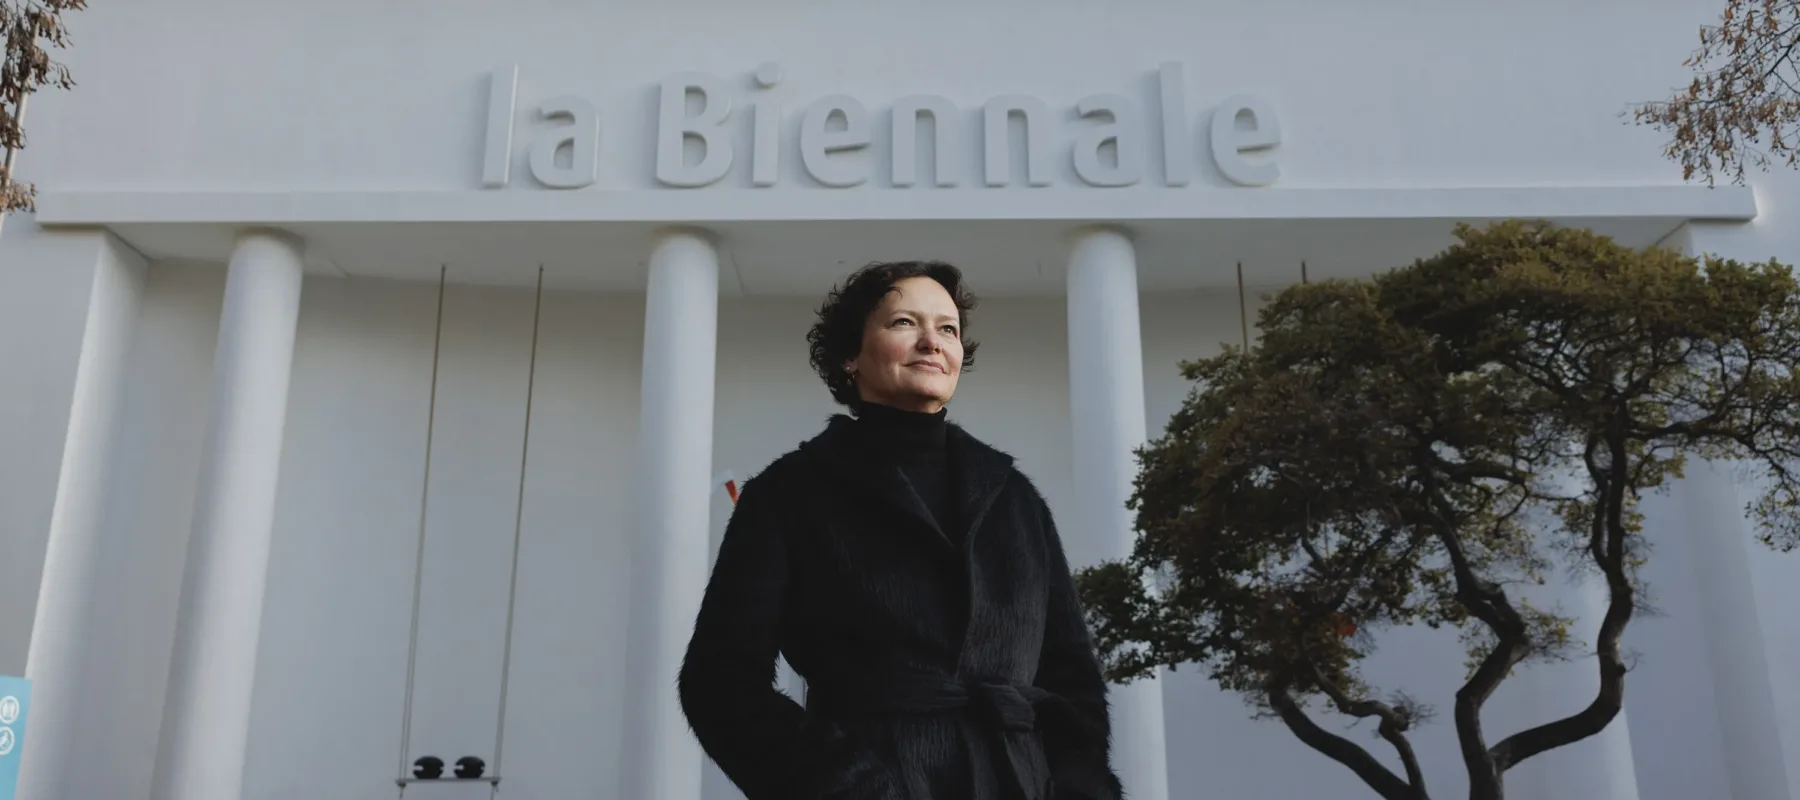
(1399, 451)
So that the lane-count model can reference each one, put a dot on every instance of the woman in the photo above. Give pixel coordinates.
(912, 575)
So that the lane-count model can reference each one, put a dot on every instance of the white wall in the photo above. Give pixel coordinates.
(201, 95)
(45, 282)
(352, 482)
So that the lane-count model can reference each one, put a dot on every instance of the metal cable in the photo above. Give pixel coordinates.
(412, 647)
(512, 591)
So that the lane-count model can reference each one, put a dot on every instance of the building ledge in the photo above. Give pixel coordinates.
(702, 206)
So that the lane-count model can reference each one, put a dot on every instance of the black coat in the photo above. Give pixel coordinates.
(939, 665)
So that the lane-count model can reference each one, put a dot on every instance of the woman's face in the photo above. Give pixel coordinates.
(912, 349)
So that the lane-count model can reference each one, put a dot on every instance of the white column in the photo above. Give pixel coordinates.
(1106, 404)
(206, 716)
(63, 622)
(681, 320)
(1717, 534)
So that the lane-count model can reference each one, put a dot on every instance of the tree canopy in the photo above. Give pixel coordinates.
(1405, 450)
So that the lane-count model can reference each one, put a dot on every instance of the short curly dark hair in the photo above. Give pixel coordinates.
(837, 335)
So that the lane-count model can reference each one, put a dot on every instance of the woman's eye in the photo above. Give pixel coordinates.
(950, 329)
(903, 321)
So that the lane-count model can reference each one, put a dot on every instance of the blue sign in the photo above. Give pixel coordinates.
(15, 703)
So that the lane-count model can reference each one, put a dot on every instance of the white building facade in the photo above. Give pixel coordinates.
(369, 367)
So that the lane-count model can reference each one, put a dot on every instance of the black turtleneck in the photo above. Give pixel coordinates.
(915, 442)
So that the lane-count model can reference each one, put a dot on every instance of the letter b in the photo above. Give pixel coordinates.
(674, 126)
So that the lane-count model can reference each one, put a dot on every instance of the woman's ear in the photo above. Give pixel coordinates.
(850, 368)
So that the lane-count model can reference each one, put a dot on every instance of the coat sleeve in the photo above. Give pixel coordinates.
(749, 728)
(1077, 744)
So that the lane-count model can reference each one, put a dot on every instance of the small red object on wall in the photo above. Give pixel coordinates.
(729, 481)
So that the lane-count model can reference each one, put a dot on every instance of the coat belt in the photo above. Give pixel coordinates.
(1007, 711)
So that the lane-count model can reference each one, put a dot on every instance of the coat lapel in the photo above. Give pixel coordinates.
(977, 474)
(846, 460)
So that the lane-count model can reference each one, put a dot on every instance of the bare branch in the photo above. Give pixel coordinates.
(1393, 724)
(1339, 749)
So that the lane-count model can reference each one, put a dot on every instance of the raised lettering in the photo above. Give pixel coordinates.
(1125, 129)
(1178, 136)
(1229, 141)
(817, 142)
(906, 115)
(997, 140)
(503, 94)
(581, 136)
(1109, 145)
(674, 127)
(765, 142)
(765, 131)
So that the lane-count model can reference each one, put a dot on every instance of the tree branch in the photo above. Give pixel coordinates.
(1610, 555)
(1479, 468)
(1489, 604)
(1339, 749)
(1414, 775)
(1361, 709)
(1786, 53)
(1393, 725)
